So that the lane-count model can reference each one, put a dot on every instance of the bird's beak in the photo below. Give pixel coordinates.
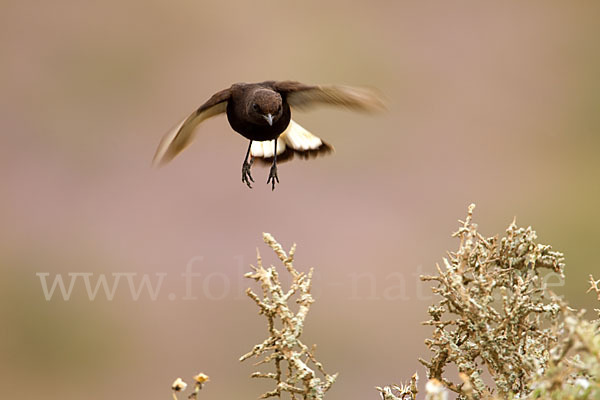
(269, 119)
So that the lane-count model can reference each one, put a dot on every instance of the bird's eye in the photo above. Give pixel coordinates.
(255, 107)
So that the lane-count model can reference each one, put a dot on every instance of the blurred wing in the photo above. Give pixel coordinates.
(294, 141)
(304, 96)
(182, 135)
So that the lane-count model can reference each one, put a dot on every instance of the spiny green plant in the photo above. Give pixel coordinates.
(497, 316)
(283, 346)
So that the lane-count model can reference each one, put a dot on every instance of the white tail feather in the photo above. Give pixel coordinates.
(265, 149)
(299, 138)
(295, 137)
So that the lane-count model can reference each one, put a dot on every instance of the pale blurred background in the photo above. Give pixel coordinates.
(496, 104)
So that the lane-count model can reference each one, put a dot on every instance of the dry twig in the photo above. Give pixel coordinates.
(291, 358)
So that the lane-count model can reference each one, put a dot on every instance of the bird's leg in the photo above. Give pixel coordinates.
(246, 176)
(273, 173)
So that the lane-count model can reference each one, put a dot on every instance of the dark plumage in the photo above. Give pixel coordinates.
(261, 113)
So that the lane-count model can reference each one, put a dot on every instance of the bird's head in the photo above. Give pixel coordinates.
(265, 107)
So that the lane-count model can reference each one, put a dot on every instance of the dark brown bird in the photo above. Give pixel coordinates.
(261, 113)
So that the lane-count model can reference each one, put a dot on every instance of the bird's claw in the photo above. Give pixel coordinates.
(273, 177)
(246, 176)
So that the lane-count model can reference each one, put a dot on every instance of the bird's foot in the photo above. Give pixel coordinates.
(246, 176)
(273, 177)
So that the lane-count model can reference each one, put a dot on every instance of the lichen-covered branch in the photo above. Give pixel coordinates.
(594, 286)
(400, 392)
(303, 375)
(495, 313)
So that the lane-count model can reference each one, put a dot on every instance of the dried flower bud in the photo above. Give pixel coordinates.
(201, 378)
(435, 390)
(179, 385)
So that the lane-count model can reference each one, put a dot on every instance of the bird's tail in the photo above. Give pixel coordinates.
(294, 141)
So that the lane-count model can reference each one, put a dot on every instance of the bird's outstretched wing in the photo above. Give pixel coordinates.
(182, 134)
(301, 96)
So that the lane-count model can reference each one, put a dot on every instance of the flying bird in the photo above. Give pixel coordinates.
(261, 112)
